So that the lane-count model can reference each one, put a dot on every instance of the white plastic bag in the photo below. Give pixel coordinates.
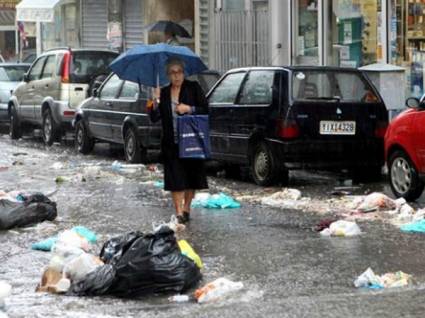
(367, 278)
(217, 289)
(80, 266)
(284, 198)
(342, 228)
(5, 290)
(376, 201)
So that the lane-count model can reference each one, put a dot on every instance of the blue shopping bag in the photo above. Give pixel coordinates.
(194, 136)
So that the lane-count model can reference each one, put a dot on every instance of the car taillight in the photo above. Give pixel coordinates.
(288, 129)
(66, 67)
(381, 129)
(68, 113)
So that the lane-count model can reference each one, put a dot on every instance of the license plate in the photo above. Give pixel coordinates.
(328, 127)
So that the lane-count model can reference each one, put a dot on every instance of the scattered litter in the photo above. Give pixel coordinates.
(376, 202)
(159, 184)
(17, 163)
(60, 179)
(174, 225)
(415, 227)
(342, 228)
(153, 168)
(19, 154)
(57, 165)
(5, 290)
(18, 209)
(129, 168)
(288, 198)
(80, 266)
(217, 289)
(3, 168)
(389, 280)
(179, 298)
(47, 244)
(138, 264)
(188, 251)
(214, 201)
(323, 224)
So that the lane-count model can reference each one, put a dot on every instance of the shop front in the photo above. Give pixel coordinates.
(56, 22)
(355, 33)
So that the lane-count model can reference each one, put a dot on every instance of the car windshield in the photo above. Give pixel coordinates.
(343, 86)
(12, 73)
(87, 65)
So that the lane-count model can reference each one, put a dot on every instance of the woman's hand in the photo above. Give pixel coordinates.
(183, 109)
(156, 92)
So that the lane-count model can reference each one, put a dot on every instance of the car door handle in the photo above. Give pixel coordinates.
(78, 89)
(47, 85)
(108, 104)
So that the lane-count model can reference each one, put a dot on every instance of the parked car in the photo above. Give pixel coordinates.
(278, 118)
(405, 151)
(10, 76)
(117, 114)
(56, 83)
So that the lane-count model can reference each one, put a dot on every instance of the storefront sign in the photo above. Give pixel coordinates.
(114, 35)
(8, 4)
(31, 11)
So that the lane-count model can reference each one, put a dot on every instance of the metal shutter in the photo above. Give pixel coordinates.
(133, 23)
(94, 24)
(204, 8)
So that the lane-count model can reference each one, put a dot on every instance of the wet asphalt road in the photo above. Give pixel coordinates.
(288, 270)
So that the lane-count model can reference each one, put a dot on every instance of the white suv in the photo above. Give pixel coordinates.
(57, 82)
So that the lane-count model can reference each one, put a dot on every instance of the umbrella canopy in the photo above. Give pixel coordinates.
(169, 27)
(146, 64)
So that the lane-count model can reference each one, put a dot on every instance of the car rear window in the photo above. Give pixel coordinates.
(12, 73)
(87, 65)
(345, 86)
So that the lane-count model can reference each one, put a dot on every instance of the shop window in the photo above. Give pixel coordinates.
(407, 42)
(354, 29)
(306, 41)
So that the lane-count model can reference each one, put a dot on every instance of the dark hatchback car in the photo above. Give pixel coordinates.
(117, 114)
(279, 118)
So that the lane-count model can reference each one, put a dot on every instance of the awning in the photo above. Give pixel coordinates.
(36, 10)
(7, 17)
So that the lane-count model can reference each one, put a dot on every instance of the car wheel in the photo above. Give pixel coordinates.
(404, 178)
(83, 141)
(134, 152)
(15, 130)
(51, 131)
(265, 168)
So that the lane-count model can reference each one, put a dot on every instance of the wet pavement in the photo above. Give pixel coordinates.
(288, 269)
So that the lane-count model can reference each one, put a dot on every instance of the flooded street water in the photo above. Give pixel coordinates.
(288, 270)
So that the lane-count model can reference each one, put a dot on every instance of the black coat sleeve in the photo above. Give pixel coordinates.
(201, 102)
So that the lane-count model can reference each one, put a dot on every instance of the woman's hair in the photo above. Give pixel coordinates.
(174, 61)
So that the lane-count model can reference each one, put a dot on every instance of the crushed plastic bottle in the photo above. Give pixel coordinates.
(130, 168)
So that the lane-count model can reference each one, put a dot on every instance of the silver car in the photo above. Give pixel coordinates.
(57, 82)
(10, 76)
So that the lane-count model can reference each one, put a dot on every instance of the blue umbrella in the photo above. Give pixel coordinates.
(145, 64)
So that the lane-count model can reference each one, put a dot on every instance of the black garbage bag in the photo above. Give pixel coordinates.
(35, 208)
(142, 265)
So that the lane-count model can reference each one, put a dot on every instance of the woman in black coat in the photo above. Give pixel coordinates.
(181, 176)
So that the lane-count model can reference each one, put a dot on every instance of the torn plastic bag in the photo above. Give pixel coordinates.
(35, 208)
(140, 265)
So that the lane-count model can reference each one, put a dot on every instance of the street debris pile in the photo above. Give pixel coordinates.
(18, 209)
(130, 265)
(389, 280)
(81, 231)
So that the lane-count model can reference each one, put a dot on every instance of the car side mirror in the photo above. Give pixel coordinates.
(412, 102)
(26, 77)
(95, 92)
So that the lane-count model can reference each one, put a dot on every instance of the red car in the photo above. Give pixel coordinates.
(405, 151)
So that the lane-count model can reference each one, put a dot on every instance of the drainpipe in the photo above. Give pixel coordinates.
(115, 25)
(280, 26)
